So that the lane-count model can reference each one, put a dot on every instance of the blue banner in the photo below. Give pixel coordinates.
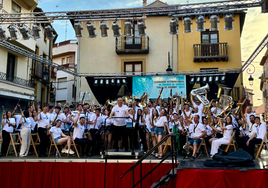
(153, 84)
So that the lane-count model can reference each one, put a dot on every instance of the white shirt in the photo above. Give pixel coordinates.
(56, 132)
(26, 122)
(208, 129)
(200, 107)
(161, 121)
(227, 134)
(108, 121)
(187, 114)
(96, 125)
(248, 115)
(119, 112)
(17, 119)
(43, 120)
(147, 122)
(8, 128)
(251, 129)
(200, 116)
(196, 129)
(34, 123)
(78, 131)
(61, 117)
(217, 112)
(261, 130)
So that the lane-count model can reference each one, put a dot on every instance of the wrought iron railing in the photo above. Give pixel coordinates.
(208, 51)
(16, 80)
(132, 45)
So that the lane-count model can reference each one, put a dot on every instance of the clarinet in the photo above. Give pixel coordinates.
(23, 118)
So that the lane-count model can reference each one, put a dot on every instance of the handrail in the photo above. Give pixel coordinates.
(148, 154)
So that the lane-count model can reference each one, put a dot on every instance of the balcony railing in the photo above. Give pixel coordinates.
(132, 45)
(16, 80)
(210, 52)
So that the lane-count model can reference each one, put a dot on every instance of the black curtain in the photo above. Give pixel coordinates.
(102, 93)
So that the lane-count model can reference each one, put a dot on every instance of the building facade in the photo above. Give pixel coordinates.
(219, 49)
(264, 81)
(64, 87)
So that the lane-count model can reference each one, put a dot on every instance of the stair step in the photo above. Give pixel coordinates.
(155, 185)
(175, 172)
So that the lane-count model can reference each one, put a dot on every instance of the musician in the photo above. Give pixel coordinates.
(256, 137)
(217, 129)
(250, 128)
(95, 123)
(75, 113)
(170, 119)
(109, 125)
(209, 130)
(154, 116)
(79, 137)
(165, 105)
(140, 122)
(148, 126)
(186, 112)
(160, 124)
(59, 116)
(8, 124)
(60, 138)
(176, 128)
(198, 132)
(34, 123)
(51, 110)
(249, 113)
(67, 122)
(227, 130)
(44, 119)
(71, 107)
(197, 112)
(150, 106)
(120, 110)
(26, 124)
(130, 130)
(198, 103)
(215, 109)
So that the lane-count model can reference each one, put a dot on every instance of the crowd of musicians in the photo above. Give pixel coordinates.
(193, 121)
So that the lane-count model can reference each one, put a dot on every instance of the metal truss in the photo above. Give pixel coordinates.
(198, 8)
(40, 59)
(258, 50)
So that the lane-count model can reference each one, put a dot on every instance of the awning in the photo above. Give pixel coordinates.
(16, 95)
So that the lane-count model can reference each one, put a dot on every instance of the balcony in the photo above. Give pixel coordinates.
(210, 52)
(16, 80)
(132, 45)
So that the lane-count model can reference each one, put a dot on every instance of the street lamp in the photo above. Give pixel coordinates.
(251, 79)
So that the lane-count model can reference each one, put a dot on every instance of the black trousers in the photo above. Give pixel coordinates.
(207, 140)
(241, 141)
(96, 139)
(182, 141)
(44, 140)
(118, 132)
(143, 137)
(6, 141)
(85, 143)
(251, 146)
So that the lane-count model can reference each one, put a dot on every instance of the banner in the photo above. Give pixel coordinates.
(153, 84)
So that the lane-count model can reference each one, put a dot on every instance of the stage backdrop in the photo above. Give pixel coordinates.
(153, 84)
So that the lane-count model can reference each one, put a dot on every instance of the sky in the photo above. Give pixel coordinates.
(255, 28)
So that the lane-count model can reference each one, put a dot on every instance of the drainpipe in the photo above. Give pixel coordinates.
(171, 55)
(78, 80)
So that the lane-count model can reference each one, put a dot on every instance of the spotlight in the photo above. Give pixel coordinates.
(214, 20)
(107, 82)
(112, 82)
(200, 23)
(36, 31)
(216, 81)
(118, 82)
(115, 28)
(2, 34)
(198, 80)
(264, 6)
(192, 81)
(49, 32)
(223, 79)
(204, 80)
(78, 29)
(25, 33)
(173, 24)
(229, 22)
(187, 22)
(141, 28)
(12, 31)
(91, 30)
(104, 28)
(128, 28)
(210, 80)
(101, 82)
(96, 83)
(124, 82)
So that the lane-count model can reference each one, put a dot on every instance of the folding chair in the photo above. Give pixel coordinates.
(231, 143)
(34, 143)
(14, 143)
(53, 143)
(203, 143)
(260, 146)
(74, 145)
(166, 145)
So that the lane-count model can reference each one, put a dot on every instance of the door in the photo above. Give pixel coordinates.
(134, 42)
(11, 61)
(210, 43)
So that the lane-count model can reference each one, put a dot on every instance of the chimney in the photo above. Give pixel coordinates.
(144, 3)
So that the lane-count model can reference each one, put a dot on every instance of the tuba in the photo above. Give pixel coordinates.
(126, 99)
(225, 99)
(200, 94)
(143, 100)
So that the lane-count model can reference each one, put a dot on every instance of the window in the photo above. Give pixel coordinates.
(11, 62)
(68, 60)
(134, 42)
(131, 67)
(62, 83)
(45, 37)
(15, 8)
(63, 61)
(209, 37)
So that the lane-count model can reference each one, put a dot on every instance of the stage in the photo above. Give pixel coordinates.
(65, 172)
